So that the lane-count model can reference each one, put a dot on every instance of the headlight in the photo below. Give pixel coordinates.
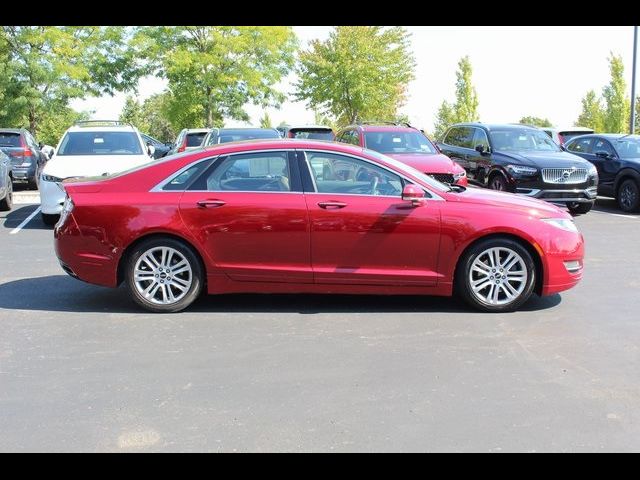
(593, 171)
(50, 178)
(565, 224)
(522, 170)
(458, 176)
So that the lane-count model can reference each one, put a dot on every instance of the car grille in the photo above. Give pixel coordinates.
(442, 177)
(564, 176)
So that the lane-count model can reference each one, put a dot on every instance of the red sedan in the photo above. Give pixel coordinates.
(287, 216)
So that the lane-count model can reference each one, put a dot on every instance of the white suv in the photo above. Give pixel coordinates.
(88, 149)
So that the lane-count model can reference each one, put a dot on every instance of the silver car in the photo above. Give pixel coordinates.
(6, 185)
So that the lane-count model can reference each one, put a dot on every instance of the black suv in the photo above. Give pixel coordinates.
(617, 158)
(25, 153)
(524, 160)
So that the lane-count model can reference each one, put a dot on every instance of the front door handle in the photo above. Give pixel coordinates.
(331, 205)
(211, 203)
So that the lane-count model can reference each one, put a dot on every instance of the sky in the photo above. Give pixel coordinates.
(517, 71)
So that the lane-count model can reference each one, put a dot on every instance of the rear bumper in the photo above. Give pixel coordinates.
(24, 174)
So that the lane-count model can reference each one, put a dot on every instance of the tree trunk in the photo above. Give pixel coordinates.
(209, 109)
(33, 122)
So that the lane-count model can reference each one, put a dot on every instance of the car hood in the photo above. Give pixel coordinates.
(546, 159)
(512, 201)
(432, 163)
(92, 165)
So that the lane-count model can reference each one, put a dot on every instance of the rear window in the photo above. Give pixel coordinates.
(8, 139)
(195, 139)
(100, 143)
(312, 134)
(569, 135)
(238, 135)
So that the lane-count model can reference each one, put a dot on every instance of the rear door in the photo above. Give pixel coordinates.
(249, 213)
(458, 145)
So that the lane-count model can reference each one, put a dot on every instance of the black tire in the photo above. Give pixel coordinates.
(6, 204)
(463, 276)
(579, 208)
(498, 182)
(628, 196)
(49, 220)
(197, 275)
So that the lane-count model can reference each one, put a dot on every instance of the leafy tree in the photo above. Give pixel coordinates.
(465, 106)
(616, 103)
(592, 113)
(149, 117)
(57, 121)
(637, 129)
(265, 121)
(213, 71)
(45, 65)
(536, 121)
(132, 113)
(358, 73)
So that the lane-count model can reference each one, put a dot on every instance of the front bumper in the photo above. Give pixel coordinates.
(577, 195)
(563, 262)
(52, 197)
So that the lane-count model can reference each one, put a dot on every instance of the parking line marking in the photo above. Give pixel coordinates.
(24, 222)
(623, 216)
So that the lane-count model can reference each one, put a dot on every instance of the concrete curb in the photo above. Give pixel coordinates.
(20, 198)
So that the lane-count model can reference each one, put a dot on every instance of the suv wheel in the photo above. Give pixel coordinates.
(579, 208)
(498, 182)
(50, 220)
(496, 275)
(6, 203)
(163, 275)
(629, 196)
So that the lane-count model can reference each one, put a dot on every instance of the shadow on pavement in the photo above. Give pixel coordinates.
(16, 216)
(60, 293)
(609, 205)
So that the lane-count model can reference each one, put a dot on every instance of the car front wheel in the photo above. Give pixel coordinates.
(496, 275)
(629, 196)
(579, 208)
(498, 182)
(163, 275)
(7, 202)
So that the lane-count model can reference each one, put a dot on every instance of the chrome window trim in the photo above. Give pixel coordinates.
(159, 187)
(434, 196)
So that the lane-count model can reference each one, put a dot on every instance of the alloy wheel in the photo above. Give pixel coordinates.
(628, 196)
(498, 276)
(163, 275)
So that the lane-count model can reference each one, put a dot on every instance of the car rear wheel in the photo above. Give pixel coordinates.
(6, 203)
(163, 275)
(496, 275)
(50, 220)
(629, 196)
(498, 182)
(579, 208)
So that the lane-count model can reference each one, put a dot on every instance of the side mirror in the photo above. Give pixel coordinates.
(414, 194)
(41, 145)
(602, 154)
(481, 149)
(150, 149)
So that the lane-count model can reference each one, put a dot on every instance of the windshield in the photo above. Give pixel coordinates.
(312, 134)
(515, 140)
(238, 135)
(398, 142)
(628, 147)
(195, 139)
(403, 167)
(100, 143)
(8, 139)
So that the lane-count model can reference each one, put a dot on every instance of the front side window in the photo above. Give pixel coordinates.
(601, 145)
(516, 140)
(251, 172)
(398, 142)
(480, 138)
(100, 143)
(195, 139)
(628, 147)
(340, 174)
(460, 137)
(582, 145)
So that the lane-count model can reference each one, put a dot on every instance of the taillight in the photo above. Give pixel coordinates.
(25, 149)
(291, 135)
(561, 138)
(183, 147)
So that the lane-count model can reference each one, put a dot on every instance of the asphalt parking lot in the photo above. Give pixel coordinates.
(83, 369)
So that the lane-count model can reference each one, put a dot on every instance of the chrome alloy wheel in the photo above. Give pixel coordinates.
(498, 276)
(163, 275)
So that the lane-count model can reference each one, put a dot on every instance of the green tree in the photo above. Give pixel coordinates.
(536, 121)
(57, 121)
(46, 65)
(465, 106)
(132, 113)
(637, 129)
(592, 113)
(358, 73)
(213, 71)
(265, 121)
(616, 103)
(150, 117)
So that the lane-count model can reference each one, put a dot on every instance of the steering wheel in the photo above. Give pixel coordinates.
(374, 184)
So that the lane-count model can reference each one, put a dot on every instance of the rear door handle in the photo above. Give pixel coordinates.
(331, 205)
(211, 203)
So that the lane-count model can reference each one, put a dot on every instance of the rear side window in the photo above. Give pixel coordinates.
(100, 143)
(8, 139)
(581, 145)
(182, 180)
(311, 134)
(480, 138)
(460, 137)
(195, 139)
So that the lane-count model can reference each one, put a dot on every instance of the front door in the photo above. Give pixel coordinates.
(249, 212)
(362, 232)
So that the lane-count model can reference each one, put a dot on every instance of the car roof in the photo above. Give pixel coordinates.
(102, 128)
(275, 143)
(317, 127)
(568, 129)
(197, 130)
(12, 130)
(247, 129)
(491, 126)
(381, 128)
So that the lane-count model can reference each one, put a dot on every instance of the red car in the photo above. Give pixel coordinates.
(408, 145)
(290, 216)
